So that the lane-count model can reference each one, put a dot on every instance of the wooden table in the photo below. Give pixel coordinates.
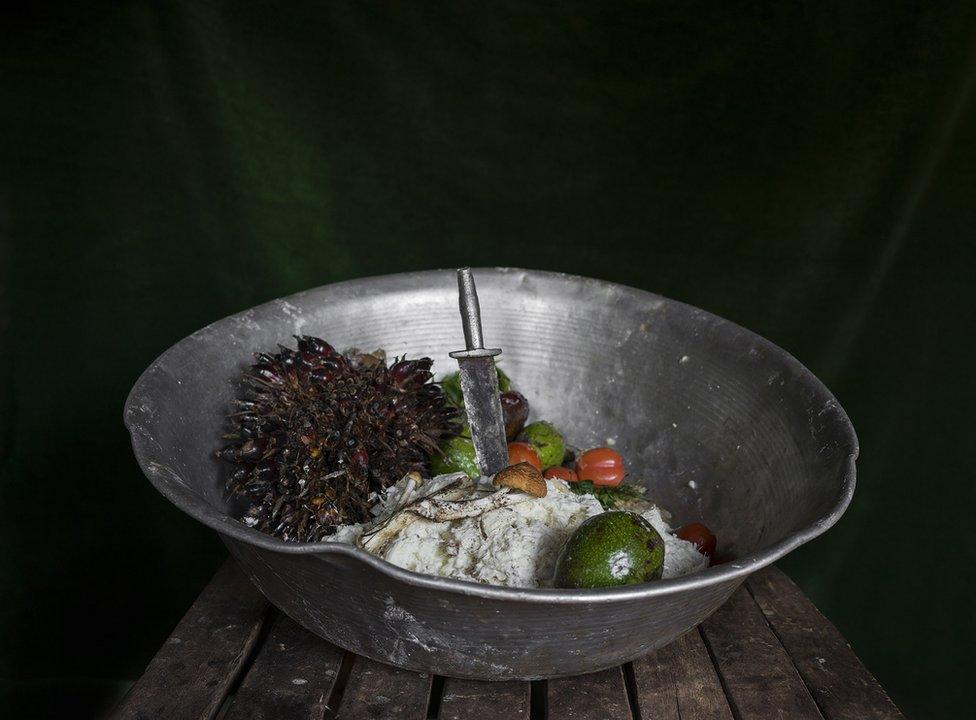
(767, 653)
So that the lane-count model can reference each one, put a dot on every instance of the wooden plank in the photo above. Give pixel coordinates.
(679, 682)
(478, 700)
(195, 668)
(756, 672)
(839, 682)
(381, 692)
(291, 678)
(596, 695)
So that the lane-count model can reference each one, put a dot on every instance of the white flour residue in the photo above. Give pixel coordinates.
(514, 546)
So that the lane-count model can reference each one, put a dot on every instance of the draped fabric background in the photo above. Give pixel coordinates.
(806, 170)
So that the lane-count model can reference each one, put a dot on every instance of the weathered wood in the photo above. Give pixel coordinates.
(678, 682)
(380, 692)
(840, 684)
(291, 678)
(756, 672)
(477, 700)
(192, 672)
(775, 655)
(597, 695)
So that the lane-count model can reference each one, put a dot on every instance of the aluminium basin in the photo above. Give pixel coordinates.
(720, 425)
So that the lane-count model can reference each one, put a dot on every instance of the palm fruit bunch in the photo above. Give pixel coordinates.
(317, 432)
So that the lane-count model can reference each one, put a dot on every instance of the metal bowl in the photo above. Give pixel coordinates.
(718, 423)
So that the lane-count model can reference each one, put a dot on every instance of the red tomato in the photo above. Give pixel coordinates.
(602, 466)
(523, 452)
(703, 538)
(561, 473)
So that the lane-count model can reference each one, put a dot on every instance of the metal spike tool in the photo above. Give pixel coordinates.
(479, 382)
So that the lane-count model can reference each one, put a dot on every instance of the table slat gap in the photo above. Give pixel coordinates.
(436, 694)
(271, 615)
(838, 681)
(539, 700)
(339, 686)
(630, 685)
(756, 672)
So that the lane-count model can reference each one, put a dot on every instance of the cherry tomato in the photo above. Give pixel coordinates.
(703, 538)
(523, 452)
(602, 466)
(562, 473)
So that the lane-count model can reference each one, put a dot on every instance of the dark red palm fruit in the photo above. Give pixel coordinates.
(311, 424)
(411, 374)
(315, 346)
(515, 411)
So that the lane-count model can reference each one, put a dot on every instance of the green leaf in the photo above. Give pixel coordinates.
(607, 496)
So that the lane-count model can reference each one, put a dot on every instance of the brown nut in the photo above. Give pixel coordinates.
(522, 477)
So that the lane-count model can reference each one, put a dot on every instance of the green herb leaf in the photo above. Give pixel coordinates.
(608, 496)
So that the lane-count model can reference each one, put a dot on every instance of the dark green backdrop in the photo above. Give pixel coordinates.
(806, 171)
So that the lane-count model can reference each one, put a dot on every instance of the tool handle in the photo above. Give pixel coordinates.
(470, 309)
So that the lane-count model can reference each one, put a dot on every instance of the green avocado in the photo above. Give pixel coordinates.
(451, 385)
(458, 456)
(547, 441)
(612, 548)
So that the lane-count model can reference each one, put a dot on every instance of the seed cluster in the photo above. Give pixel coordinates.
(316, 432)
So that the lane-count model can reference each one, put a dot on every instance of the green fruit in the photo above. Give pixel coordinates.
(612, 548)
(547, 441)
(451, 385)
(458, 456)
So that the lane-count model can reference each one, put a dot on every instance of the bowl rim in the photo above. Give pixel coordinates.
(166, 481)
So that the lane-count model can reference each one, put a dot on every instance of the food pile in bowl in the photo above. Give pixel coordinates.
(341, 447)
